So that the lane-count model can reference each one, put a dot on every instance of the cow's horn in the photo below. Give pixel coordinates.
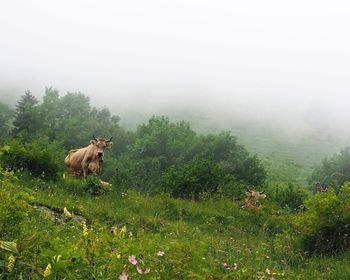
(93, 136)
(262, 192)
(110, 139)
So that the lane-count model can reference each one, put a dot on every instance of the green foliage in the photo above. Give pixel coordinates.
(40, 157)
(233, 157)
(162, 147)
(174, 238)
(334, 171)
(12, 209)
(324, 227)
(94, 186)
(192, 179)
(288, 197)
(73, 121)
(213, 238)
(9, 247)
(27, 120)
(6, 118)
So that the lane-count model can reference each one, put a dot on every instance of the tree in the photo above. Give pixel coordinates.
(161, 145)
(51, 113)
(158, 145)
(26, 120)
(6, 117)
(224, 150)
(334, 171)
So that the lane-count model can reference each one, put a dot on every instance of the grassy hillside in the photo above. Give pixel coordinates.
(169, 238)
(56, 227)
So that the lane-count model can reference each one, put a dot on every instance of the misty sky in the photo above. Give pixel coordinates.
(253, 55)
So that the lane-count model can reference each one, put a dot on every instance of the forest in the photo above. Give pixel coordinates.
(178, 203)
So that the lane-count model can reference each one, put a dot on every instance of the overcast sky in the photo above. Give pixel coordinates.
(278, 56)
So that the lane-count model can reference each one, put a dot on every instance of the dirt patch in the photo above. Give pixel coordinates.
(56, 215)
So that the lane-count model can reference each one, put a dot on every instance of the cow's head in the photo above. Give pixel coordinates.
(255, 194)
(101, 144)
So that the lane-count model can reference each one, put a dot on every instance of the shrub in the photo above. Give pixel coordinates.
(288, 197)
(325, 229)
(12, 209)
(196, 177)
(334, 171)
(40, 157)
(161, 147)
(94, 186)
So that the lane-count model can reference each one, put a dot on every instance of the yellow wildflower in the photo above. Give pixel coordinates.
(47, 271)
(11, 263)
(85, 229)
(123, 230)
(67, 213)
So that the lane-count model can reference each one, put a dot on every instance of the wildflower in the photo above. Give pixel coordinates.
(148, 270)
(130, 234)
(67, 213)
(123, 230)
(93, 262)
(85, 229)
(124, 276)
(132, 259)
(11, 263)
(160, 253)
(139, 270)
(235, 266)
(113, 230)
(47, 271)
(225, 265)
(270, 273)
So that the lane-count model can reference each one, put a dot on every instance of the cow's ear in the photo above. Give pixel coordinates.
(109, 144)
(93, 142)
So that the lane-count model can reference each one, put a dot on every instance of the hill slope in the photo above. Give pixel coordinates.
(168, 238)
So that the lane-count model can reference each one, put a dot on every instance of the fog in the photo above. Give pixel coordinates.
(286, 63)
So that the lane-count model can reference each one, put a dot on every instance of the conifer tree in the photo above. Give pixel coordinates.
(26, 116)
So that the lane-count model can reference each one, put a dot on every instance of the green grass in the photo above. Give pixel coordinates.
(211, 239)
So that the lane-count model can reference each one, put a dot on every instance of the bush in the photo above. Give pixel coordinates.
(196, 177)
(334, 171)
(325, 228)
(163, 148)
(288, 197)
(40, 157)
(94, 186)
(12, 209)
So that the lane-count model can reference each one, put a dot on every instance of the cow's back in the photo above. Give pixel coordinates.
(75, 157)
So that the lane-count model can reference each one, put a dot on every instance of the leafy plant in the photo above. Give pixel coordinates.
(196, 177)
(325, 228)
(334, 171)
(40, 157)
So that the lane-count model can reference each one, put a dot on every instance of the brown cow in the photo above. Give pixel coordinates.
(89, 159)
(321, 188)
(252, 200)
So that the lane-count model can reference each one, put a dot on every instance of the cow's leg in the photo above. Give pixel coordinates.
(85, 167)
